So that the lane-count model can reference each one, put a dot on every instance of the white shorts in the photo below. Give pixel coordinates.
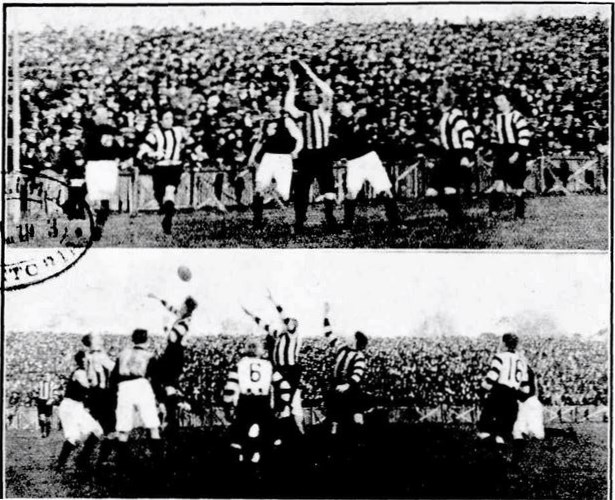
(530, 420)
(278, 167)
(366, 168)
(77, 423)
(101, 178)
(136, 397)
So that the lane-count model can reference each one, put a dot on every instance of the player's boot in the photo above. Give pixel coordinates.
(67, 449)
(520, 207)
(330, 222)
(495, 202)
(257, 209)
(83, 460)
(349, 211)
(168, 209)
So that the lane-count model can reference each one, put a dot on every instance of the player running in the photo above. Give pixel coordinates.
(164, 145)
(346, 400)
(314, 161)
(77, 423)
(135, 393)
(279, 142)
(170, 365)
(282, 348)
(506, 379)
(103, 148)
(511, 143)
(250, 388)
(456, 144)
(362, 164)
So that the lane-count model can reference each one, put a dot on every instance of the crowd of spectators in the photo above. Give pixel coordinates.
(402, 371)
(220, 79)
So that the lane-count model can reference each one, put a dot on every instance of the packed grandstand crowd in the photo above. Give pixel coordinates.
(402, 371)
(219, 80)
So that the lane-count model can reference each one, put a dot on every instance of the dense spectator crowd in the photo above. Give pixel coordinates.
(402, 371)
(220, 79)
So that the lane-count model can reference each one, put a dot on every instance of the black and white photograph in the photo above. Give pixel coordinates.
(306, 126)
(276, 374)
(307, 250)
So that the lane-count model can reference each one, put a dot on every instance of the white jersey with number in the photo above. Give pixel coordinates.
(255, 376)
(508, 369)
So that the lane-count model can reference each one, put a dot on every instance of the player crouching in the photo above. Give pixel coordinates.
(250, 389)
(77, 423)
(135, 393)
(362, 164)
(279, 142)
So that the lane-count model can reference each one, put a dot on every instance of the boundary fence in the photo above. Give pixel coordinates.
(222, 189)
(26, 418)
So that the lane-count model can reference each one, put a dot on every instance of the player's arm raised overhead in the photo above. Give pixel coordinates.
(334, 341)
(169, 307)
(289, 99)
(324, 87)
(284, 317)
(296, 134)
(268, 329)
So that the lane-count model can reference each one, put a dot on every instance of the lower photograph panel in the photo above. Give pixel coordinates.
(287, 374)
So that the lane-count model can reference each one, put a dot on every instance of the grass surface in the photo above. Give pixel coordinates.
(395, 460)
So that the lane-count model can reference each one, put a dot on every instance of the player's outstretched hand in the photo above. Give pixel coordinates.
(327, 309)
(152, 296)
(247, 312)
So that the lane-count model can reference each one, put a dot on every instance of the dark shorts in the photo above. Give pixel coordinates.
(252, 410)
(102, 403)
(314, 164)
(165, 176)
(344, 405)
(499, 411)
(44, 409)
(513, 174)
(448, 171)
(292, 375)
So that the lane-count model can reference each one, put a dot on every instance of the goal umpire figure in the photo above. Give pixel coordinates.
(315, 159)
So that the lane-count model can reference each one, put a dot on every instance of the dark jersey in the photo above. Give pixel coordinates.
(74, 390)
(352, 140)
(101, 143)
(276, 137)
(170, 365)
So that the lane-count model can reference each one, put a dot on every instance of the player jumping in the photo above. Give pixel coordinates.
(170, 364)
(362, 164)
(277, 145)
(283, 352)
(165, 146)
(249, 390)
(345, 399)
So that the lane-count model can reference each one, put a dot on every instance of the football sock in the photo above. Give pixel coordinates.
(349, 211)
(257, 208)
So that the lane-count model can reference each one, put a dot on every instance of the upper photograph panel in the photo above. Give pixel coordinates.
(383, 126)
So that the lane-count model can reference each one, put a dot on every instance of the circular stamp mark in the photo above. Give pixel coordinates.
(41, 241)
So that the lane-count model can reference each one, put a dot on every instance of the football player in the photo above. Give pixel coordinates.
(250, 389)
(530, 419)
(506, 378)
(77, 423)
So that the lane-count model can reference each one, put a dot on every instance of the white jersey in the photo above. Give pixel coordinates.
(508, 369)
(255, 377)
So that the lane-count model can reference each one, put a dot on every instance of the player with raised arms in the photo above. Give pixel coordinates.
(345, 400)
(249, 391)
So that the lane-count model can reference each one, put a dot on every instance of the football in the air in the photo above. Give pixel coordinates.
(184, 273)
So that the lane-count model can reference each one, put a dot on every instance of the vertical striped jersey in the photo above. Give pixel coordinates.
(315, 128)
(508, 369)
(166, 144)
(46, 389)
(455, 132)
(512, 129)
(255, 377)
(350, 363)
(283, 345)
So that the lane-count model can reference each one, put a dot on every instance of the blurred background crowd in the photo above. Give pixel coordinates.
(220, 79)
(402, 371)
